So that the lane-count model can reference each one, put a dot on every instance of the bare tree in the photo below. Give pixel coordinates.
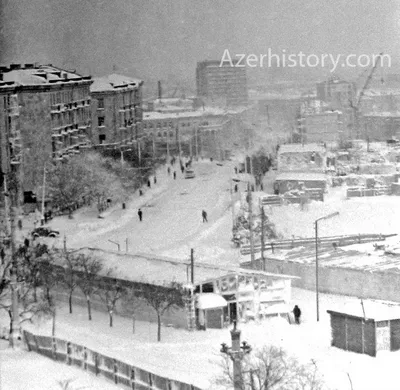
(271, 368)
(110, 292)
(132, 304)
(89, 268)
(71, 266)
(162, 298)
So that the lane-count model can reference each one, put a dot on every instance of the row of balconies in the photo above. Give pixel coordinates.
(69, 106)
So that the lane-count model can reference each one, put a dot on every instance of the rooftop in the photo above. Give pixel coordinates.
(301, 148)
(150, 268)
(33, 74)
(208, 111)
(373, 310)
(113, 82)
(301, 176)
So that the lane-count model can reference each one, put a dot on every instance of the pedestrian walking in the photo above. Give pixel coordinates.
(174, 175)
(182, 168)
(169, 170)
(297, 314)
(140, 214)
(236, 188)
(236, 170)
(155, 180)
(140, 192)
(204, 215)
(148, 183)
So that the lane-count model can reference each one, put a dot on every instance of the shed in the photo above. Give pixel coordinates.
(378, 330)
(288, 181)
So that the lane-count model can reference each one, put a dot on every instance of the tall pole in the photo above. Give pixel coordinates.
(43, 190)
(196, 142)
(252, 258)
(262, 238)
(192, 266)
(168, 159)
(316, 268)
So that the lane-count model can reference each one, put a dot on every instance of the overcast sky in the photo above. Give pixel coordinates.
(164, 39)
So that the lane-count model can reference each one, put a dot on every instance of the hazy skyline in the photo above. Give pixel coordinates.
(164, 39)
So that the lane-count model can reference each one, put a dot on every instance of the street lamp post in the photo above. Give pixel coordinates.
(236, 354)
(316, 257)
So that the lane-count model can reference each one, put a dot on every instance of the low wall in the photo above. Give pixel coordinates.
(120, 373)
(342, 281)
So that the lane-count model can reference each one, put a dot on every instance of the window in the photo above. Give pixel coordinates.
(102, 138)
(100, 121)
(100, 103)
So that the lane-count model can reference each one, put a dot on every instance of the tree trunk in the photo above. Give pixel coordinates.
(89, 308)
(110, 312)
(53, 328)
(158, 327)
(70, 302)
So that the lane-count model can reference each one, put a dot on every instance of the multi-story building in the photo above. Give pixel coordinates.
(337, 93)
(205, 132)
(324, 127)
(221, 84)
(116, 111)
(47, 116)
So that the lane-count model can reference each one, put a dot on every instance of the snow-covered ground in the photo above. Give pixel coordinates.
(379, 214)
(22, 370)
(194, 357)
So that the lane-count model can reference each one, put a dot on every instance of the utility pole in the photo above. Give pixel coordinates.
(192, 266)
(196, 142)
(43, 193)
(251, 225)
(168, 159)
(262, 238)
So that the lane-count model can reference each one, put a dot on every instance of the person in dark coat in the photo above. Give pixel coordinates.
(169, 170)
(174, 175)
(297, 314)
(140, 214)
(236, 171)
(204, 215)
(182, 168)
(148, 183)
(155, 180)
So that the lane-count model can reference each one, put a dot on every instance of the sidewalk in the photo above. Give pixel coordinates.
(86, 221)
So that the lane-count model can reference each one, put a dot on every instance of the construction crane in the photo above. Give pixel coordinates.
(356, 106)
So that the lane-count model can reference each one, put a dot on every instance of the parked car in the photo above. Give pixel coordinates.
(44, 232)
(189, 174)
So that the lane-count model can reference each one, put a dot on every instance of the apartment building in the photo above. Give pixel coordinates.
(206, 133)
(116, 111)
(47, 116)
(221, 85)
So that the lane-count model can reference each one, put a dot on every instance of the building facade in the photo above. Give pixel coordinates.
(48, 116)
(323, 127)
(223, 85)
(116, 111)
(382, 126)
(206, 133)
(337, 93)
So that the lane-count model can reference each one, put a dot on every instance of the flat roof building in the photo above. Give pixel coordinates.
(221, 84)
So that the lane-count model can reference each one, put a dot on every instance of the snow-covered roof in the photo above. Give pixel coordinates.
(154, 115)
(210, 301)
(114, 82)
(39, 75)
(301, 176)
(395, 114)
(373, 310)
(301, 148)
(154, 269)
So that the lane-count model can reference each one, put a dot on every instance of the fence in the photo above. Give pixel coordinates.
(116, 371)
(339, 240)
